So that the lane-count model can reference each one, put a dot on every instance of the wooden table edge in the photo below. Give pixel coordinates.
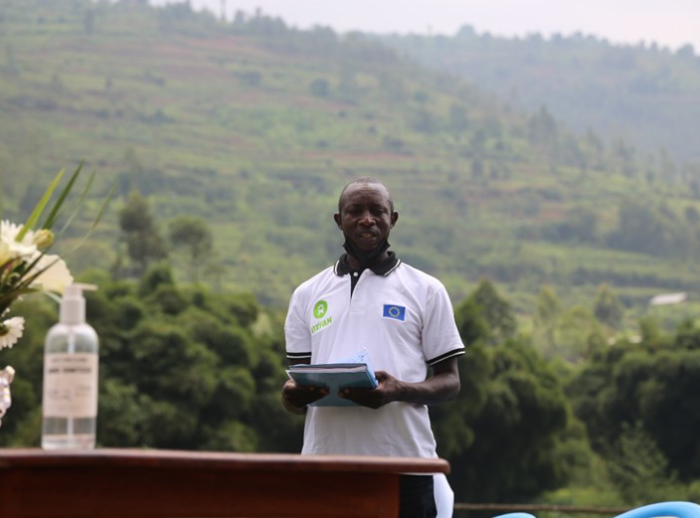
(16, 457)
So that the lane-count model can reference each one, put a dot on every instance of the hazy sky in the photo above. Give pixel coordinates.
(670, 23)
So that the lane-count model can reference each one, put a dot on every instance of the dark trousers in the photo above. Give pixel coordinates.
(416, 498)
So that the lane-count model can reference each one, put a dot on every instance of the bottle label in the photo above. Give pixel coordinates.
(70, 385)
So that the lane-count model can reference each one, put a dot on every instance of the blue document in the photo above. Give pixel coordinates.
(334, 376)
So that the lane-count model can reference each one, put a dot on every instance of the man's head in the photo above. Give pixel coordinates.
(363, 181)
(366, 216)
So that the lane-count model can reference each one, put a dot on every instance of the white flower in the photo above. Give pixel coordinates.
(55, 278)
(10, 331)
(10, 248)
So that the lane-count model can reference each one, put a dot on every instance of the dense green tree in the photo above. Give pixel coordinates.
(157, 275)
(650, 384)
(180, 368)
(495, 310)
(139, 231)
(471, 323)
(652, 229)
(607, 307)
(639, 470)
(547, 312)
(193, 235)
(571, 334)
(577, 335)
(509, 435)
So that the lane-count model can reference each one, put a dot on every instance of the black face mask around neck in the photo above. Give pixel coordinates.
(365, 258)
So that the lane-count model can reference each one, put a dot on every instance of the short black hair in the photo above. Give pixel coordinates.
(364, 180)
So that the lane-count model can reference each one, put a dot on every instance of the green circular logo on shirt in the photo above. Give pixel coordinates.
(320, 309)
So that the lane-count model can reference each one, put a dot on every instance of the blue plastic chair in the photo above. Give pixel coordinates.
(515, 515)
(675, 509)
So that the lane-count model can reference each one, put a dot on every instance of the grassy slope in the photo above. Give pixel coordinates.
(644, 93)
(209, 120)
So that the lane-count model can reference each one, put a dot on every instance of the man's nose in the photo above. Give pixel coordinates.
(366, 219)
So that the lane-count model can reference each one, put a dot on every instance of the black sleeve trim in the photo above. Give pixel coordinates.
(447, 355)
(296, 356)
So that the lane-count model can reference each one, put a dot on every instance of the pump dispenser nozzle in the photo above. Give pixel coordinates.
(73, 303)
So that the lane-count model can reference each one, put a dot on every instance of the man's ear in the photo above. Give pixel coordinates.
(336, 218)
(394, 218)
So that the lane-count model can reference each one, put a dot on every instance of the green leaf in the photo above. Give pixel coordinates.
(51, 219)
(36, 213)
(7, 299)
(26, 271)
(105, 203)
(78, 203)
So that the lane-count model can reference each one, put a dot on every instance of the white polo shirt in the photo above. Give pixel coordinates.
(404, 318)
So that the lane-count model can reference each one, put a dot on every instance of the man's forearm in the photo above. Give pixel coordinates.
(442, 386)
(439, 388)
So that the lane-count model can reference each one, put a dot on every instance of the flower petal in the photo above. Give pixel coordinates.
(56, 277)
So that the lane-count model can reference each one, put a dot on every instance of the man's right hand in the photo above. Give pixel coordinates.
(297, 397)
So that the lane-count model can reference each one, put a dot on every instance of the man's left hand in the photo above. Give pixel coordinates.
(442, 386)
(386, 392)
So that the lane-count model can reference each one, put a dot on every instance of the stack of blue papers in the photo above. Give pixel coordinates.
(334, 376)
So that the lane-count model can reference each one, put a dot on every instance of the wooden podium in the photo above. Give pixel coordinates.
(116, 483)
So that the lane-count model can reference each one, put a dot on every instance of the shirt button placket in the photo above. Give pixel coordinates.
(358, 301)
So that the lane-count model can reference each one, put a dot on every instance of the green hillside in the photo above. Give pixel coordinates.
(256, 126)
(644, 93)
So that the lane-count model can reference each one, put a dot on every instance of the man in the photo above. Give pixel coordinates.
(402, 317)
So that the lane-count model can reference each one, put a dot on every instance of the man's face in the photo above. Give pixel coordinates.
(365, 215)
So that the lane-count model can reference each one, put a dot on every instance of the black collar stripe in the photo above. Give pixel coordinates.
(384, 268)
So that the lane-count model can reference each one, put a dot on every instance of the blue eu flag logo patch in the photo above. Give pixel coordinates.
(395, 312)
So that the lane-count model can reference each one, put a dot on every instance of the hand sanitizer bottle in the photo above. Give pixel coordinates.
(70, 377)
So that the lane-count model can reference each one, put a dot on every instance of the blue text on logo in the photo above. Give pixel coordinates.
(395, 312)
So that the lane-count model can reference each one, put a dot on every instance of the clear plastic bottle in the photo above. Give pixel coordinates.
(70, 377)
